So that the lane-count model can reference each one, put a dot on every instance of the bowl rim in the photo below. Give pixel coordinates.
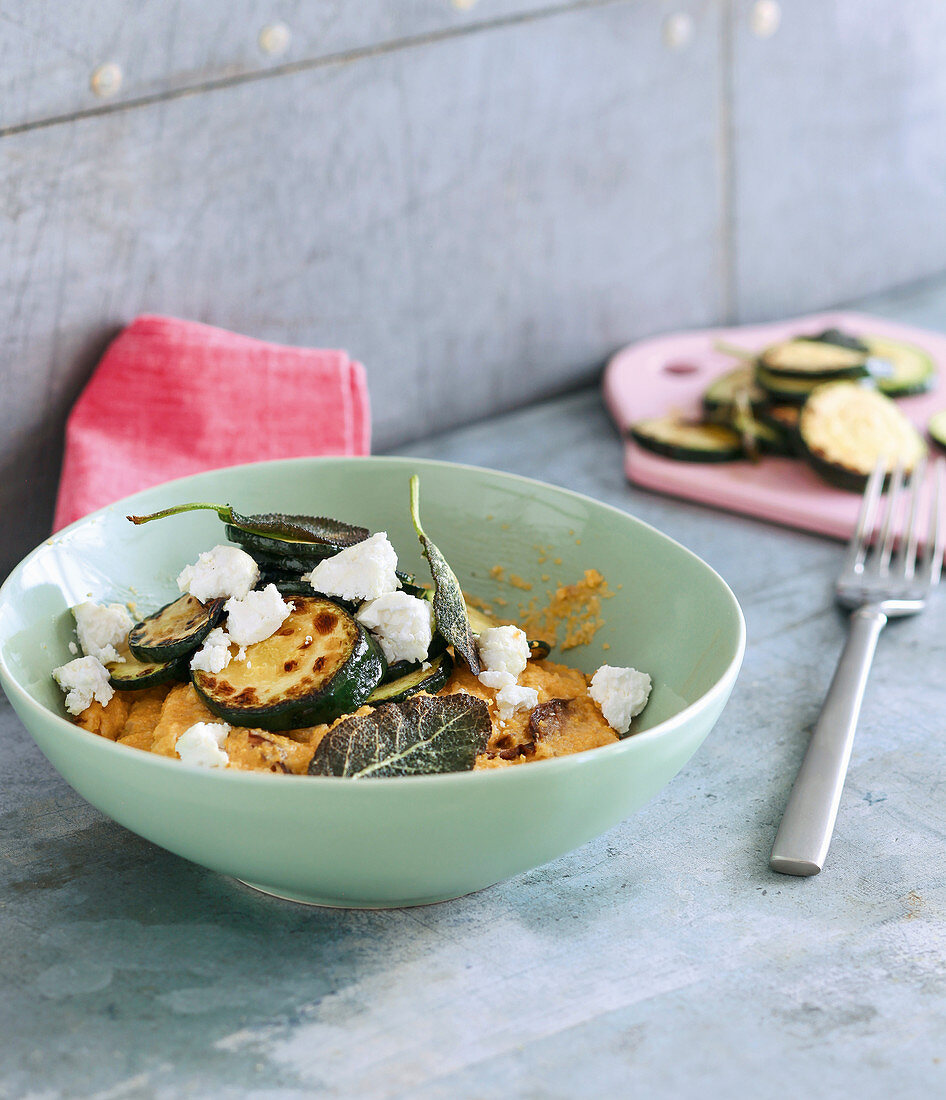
(586, 758)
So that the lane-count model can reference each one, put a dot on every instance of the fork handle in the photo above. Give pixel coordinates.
(805, 832)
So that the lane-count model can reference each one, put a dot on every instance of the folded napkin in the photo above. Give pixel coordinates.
(172, 398)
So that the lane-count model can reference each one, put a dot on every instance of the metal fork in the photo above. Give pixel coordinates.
(881, 579)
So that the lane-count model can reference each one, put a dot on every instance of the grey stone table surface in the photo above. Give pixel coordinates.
(662, 958)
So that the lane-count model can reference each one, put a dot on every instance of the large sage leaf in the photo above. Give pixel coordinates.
(449, 604)
(421, 736)
(319, 530)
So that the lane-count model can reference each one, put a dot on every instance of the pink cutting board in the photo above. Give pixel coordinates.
(670, 373)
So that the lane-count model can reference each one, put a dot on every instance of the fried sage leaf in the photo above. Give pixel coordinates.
(420, 736)
(317, 530)
(449, 604)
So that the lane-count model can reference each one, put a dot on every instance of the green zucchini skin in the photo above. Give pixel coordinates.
(841, 339)
(783, 420)
(914, 371)
(438, 644)
(175, 630)
(289, 585)
(319, 665)
(291, 552)
(688, 440)
(134, 675)
(721, 394)
(936, 428)
(814, 358)
(786, 391)
(289, 564)
(770, 439)
(430, 680)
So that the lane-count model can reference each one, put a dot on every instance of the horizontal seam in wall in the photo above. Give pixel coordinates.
(358, 53)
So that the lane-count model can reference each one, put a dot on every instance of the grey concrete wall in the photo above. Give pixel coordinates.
(479, 200)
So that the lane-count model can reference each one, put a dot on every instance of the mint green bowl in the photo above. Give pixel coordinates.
(385, 842)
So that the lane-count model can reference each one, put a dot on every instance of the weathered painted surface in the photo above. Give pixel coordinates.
(662, 959)
(480, 220)
(481, 200)
(839, 153)
(49, 51)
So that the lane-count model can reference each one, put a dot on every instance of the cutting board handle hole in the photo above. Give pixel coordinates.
(675, 366)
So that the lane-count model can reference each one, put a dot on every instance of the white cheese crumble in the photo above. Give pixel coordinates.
(504, 649)
(496, 680)
(621, 693)
(364, 571)
(257, 616)
(404, 625)
(512, 697)
(224, 571)
(73, 649)
(83, 680)
(101, 627)
(202, 744)
(214, 654)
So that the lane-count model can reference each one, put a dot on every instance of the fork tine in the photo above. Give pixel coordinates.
(935, 542)
(889, 525)
(857, 547)
(910, 539)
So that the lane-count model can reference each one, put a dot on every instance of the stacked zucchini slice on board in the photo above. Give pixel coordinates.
(827, 398)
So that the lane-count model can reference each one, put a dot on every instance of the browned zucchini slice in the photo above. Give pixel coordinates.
(845, 428)
(320, 664)
(688, 440)
(131, 674)
(174, 631)
(430, 680)
(811, 358)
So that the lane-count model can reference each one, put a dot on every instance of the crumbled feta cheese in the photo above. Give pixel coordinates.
(504, 649)
(214, 654)
(240, 654)
(621, 693)
(202, 744)
(223, 571)
(512, 697)
(101, 627)
(496, 680)
(361, 572)
(73, 649)
(404, 625)
(83, 680)
(256, 616)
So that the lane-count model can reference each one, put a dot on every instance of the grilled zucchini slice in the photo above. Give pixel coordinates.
(438, 644)
(900, 370)
(320, 664)
(805, 357)
(430, 679)
(687, 440)
(783, 390)
(133, 675)
(845, 428)
(174, 631)
(936, 427)
(723, 392)
(842, 339)
(292, 555)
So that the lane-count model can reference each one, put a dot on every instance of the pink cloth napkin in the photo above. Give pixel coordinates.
(172, 398)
